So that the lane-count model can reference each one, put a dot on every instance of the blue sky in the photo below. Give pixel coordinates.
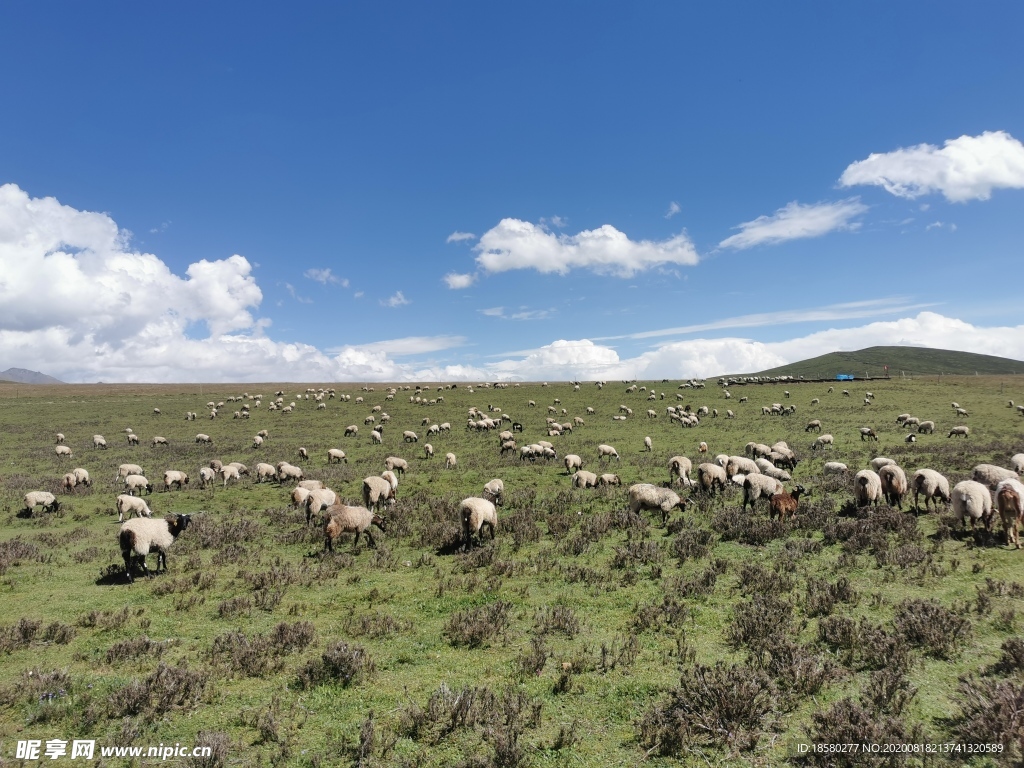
(410, 191)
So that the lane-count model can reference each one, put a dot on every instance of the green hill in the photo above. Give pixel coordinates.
(912, 361)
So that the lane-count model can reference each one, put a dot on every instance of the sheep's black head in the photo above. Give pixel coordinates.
(380, 522)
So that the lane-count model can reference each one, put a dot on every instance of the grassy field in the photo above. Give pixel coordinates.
(910, 361)
(582, 635)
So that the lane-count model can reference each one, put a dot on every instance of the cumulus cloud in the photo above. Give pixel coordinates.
(397, 300)
(455, 281)
(516, 244)
(458, 237)
(966, 168)
(325, 277)
(795, 221)
(673, 209)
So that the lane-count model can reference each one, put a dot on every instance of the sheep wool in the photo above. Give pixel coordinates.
(932, 485)
(341, 519)
(648, 496)
(867, 487)
(131, 505)
(45, 499)
(476, 513)
(971, 499)
(142, 535)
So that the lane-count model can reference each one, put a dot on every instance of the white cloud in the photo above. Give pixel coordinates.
(410, 345)
(524, 313)
(558, 222)
(493, 312)
(455, 281)
(397, 300)
(294, 294)
(940, 225)
(516, 244)
(673, 209)
(967, 168)
(795, 221)
(161, 229)
(325, 276)
(458, 237)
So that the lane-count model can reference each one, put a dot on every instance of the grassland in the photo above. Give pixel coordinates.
(908, 361)
(582, 636)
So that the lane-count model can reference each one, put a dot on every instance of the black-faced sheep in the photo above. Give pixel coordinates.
(606, 451)
(495, 491)
(319, 500)
(813, 425)
(476, 513)
(203, 438)
(45, 499)
(867, 488)
(341, 519)
(62, 451)
(137, 483)
(960, 431)
(823, 441)
(894, 484)
(867, 433)
(395, 464)
(609, 479)
(711, 477)
(572, 463)
(679, 467)
(931, 485)
(141, 536)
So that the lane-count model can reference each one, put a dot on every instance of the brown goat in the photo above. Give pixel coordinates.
(784, 504)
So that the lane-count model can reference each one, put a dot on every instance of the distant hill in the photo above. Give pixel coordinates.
(916, 361)
(23, 376)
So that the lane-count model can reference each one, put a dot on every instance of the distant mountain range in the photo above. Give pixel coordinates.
(913, 361)
(23, 376)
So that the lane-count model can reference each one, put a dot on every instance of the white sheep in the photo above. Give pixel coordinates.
(229, 472)
(133, 506)
(159, 440)
(207, 475)
(834, 467)
(647, 443)
(299, 496)
(392, 478)
(376, 437)
(971, 499)
(428, 451)
(712, 476)
(494, 490)
(679, 467)
(1010, 503)
(336, 456)
(133, 439)
(867, 433)
(450, 462)
(608, 451)
(82, 476)
(609, 479)
(867, 488)
(572, 463)
(990, 475)
(584, 479)
(303, 454)
(45, 499)
(341, 519)
(203, 438)
(351, 430)
(395, 464)
(377, 492)
(823, 441)
(62, 451)
(767, 468)
(173, 477)
(649, 496)
(959, 431)
(98, 441)
(257, 442)
(894, 484)
(931, 485)
(137, 483)
(60, 438)
(758, 486)
(476, 513)
(880, 461)
(141, 536)
(286, 471)
(409, 436)
(741, 465)
(1017, 462)
(814, 424)
(318, 501)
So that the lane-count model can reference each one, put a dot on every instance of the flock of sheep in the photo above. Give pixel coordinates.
(761, 472)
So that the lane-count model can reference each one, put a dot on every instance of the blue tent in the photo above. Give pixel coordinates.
(844, 377)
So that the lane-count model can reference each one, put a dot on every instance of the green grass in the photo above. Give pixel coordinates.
(909, 361)
(642, 619)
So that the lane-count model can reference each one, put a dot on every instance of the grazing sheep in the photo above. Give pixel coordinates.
(647, 443)
(814, 425)
(158, 440)
(902, 418)
(815, 401)
(495, 491)
(98, 441)
(1010, 503)
(730, 415)
(377, 492)
(257, 442)
(1017, 462)
(45, 499)
(911, 438)
(351, 430)
(450, 461)
(395, 464)
(217, 464)
(82, 476)
(62, 451)
(265, 471)
(971, 499)
(303, 454)
(428, 451)
(207, 475)
(867, 488)
(990, 475)
(409, 436)
(476, 513)
(131, 505)
(229, 472)
(141, 536)
(572, 463)
(767, 468)
(757, 486)
(894, 484)
(609, 479)
(173, 477)
(783, 505)
(648, 496)
(880, 461)
(584, 479)
(201, 438)
(376, 437)
(962, 412)
(299, 496)
(702, 447)
(133, 439)
(932, 485)
(741, 465)
(336, 456)
(679, 467)
(137, 483)
(960, 431)
(834, 467)
(341, 519)
(60, 438)
(604, 451)
(867, 433)
(823, 441)
(318, 501)
(286, 471)
(392, 478)
(710, 476)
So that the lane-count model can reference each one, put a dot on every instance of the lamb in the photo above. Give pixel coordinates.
(202, 438)
(395, 464)
(131, 505)
(45, 499)
(428, 451)
(137, 483)
(141, 536)
(741, 465)
(572, 463)
(584, 479)
(341, 519)
(608, 451)
(867, 488)
(1010, 503)
(648, 496)
(476, 513)
(823, 441)
(98, 441)
(960, 431)
(972, 499)
(711, 476)
(319, 500)
(377, 492)
(82, 476)
(894, 484)
(609, 479)
(814, 424)
(990, 475)
(62, 451)
(173, 477)
(494, 490)
(783, 504)
(867, 433)
(409, 436)
(158, 440)
(450, 461)
(647, 443)
(911, 438)
(207, 475)
(757, 486)
(834, 467)
(1017, 462)
(679, 467)
(880, 461)
(336, 456)
(932, 485)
